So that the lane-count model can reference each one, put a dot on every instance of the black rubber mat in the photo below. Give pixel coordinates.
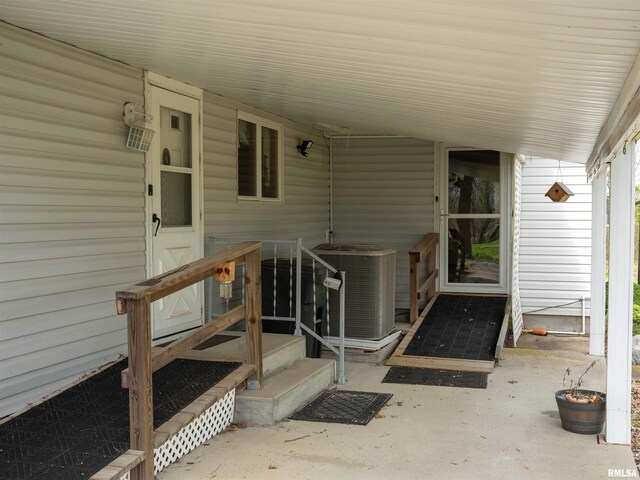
(81, 430)
(341, 406)
(460, 326)
(440, 378)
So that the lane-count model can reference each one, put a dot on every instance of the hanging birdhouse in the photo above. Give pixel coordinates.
(559, 192)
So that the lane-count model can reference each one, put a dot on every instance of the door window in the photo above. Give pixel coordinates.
(176, 173)
(473, 217)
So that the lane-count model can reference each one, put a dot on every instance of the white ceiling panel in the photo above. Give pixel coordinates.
(536, 77)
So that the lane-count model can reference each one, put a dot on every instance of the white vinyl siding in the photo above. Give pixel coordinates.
(72, 207)
(71, 213)
(555, 239)
(305, 211)
(383, 194)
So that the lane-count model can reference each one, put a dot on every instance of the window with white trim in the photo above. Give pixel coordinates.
(259, 159)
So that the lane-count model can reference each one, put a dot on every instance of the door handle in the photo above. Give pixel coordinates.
(155, 218)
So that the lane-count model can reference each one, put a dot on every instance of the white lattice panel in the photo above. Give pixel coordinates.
(209, 423)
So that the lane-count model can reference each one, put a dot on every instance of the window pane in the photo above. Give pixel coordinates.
(473, 253)
(474, 181)
(176, 199)
(247, 175)
(269, 163)
(175, 138)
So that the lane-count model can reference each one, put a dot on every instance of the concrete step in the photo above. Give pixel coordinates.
(278, 351)
(285, 392)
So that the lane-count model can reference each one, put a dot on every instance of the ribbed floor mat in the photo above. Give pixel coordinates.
(81, 430)
(440, 378)
(460, 326)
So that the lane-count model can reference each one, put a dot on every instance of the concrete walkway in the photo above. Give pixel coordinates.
(511, 430)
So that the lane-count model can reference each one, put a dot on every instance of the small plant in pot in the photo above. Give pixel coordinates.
(581, 411)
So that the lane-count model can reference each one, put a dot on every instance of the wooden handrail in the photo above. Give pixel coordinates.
(136, 301)
(426, 250)
(170, 282)
(166, 354)
(427, 243)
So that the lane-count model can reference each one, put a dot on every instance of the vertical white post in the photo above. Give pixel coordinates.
(598, 263)
(330, 239)
(298, 330)
(342, 379)
(618, 428)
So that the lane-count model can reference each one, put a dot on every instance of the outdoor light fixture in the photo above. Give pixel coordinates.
(225, 273)
(304, 146)
(137, 119)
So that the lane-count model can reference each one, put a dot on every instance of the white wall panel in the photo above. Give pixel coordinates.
(72, 207)
(71, 215)
(555, 239)
(383, 194)
(305, 209)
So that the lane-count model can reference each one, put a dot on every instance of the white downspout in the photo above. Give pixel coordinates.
(330, 239)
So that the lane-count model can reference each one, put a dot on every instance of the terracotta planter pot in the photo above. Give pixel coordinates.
(583, 418)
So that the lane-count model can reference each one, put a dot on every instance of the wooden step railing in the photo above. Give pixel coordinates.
(425, 251)
(136, 301)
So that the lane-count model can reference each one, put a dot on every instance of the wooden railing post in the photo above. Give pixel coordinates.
(135, 301)
(414, 264)
(431, 267)
(140, 387)
(425, 250)
(253, 299)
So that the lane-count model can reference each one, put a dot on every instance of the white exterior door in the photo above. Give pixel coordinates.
(474, 221)
(174, 208)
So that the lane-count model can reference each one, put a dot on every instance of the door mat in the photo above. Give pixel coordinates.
(439, 378)
(341, 406)
(460, 326)
(82, 429)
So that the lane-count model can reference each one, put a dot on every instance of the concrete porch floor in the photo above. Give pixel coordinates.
(509, 430)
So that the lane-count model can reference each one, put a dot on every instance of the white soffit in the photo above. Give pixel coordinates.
(536, 77)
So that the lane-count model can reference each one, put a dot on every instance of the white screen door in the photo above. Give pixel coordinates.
(174, 208)
(473, 222)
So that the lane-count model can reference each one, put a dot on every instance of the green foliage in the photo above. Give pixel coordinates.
(636, 319)
(486, 251)
(636, 309)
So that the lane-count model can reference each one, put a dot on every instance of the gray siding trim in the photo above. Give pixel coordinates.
(384, 194)
(516, 303)
(71, 217)
(555, 246)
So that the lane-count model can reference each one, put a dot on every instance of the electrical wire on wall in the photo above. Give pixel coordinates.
(543, 332)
